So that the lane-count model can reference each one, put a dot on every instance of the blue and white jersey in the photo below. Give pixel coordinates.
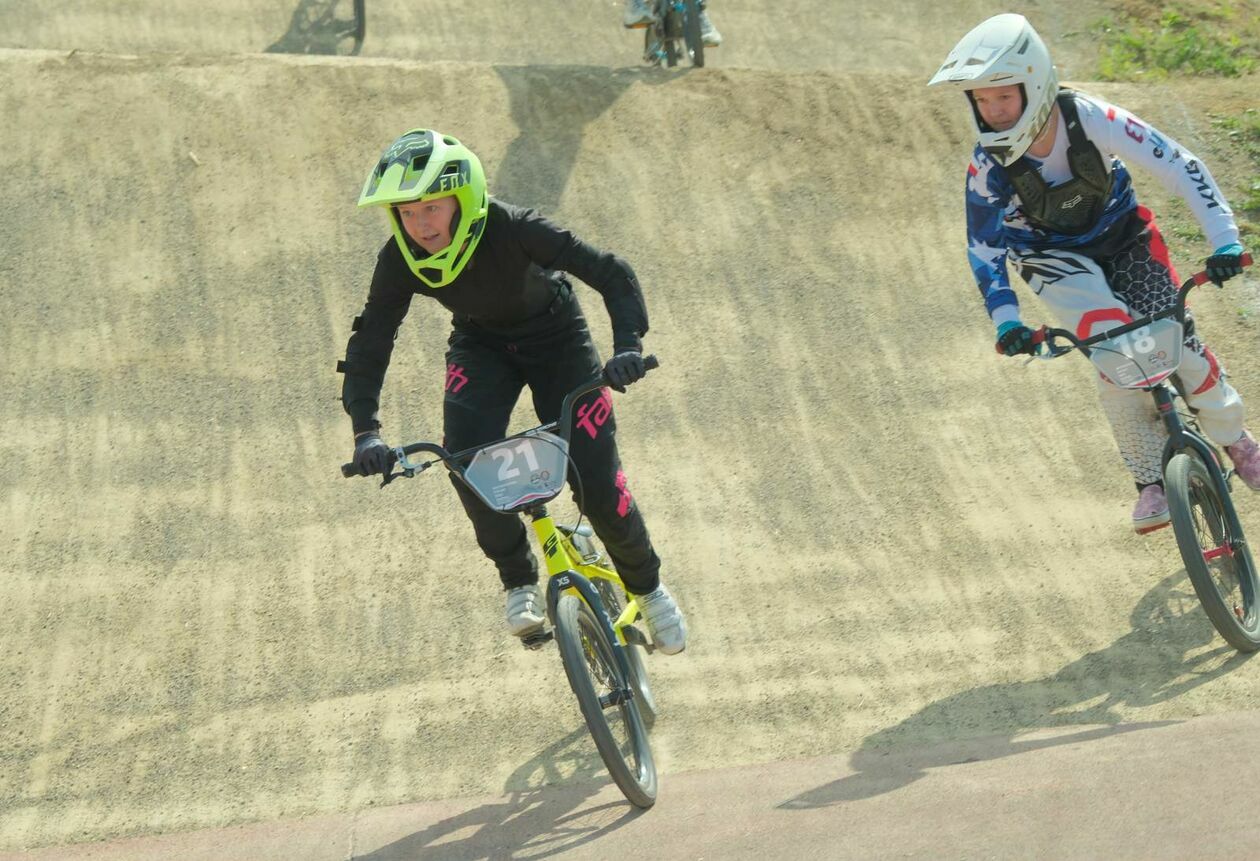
(996, 224)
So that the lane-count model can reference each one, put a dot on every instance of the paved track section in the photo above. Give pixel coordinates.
(902, 37)
(1134, 791)
(885, 537)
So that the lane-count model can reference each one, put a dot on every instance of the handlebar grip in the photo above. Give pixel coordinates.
(348, 470)
(650, 362)
(1200, 278)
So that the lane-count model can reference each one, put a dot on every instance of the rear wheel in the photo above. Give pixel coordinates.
(659, 36)
(1217, 558)
(691, 31)
(612, 717)
(671, 38)
(652, 44)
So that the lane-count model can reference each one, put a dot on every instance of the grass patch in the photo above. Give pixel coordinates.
(1196, 37)
(1243, 131)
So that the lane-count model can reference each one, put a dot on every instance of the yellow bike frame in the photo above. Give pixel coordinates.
(563, 557)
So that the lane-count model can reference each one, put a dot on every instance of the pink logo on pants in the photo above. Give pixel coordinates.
(623, 496)
(592, 416)
(456, 379)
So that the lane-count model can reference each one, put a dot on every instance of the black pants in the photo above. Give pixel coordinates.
(485, 373)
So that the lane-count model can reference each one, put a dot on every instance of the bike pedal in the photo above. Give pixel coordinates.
(537, 639)
(635, 637)
(616, 697)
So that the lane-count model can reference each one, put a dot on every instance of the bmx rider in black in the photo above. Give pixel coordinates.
(515, 323)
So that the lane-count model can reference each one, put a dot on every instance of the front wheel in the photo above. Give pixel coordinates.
(1217, 558)
(602, 692)
(691, 31)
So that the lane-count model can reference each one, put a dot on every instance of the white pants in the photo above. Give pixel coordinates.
(1077, 291)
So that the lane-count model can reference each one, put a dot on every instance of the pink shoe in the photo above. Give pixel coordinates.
(1246, 457)
(1151, 511)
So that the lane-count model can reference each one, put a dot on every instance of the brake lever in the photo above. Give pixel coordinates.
(396, 457)
(408, 470)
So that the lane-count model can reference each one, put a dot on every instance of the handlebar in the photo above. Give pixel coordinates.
(1047, 335)
(563, 425)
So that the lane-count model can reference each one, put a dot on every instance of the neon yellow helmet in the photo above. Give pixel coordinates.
(422, 165)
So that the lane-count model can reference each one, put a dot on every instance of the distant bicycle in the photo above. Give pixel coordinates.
(360, 25)
(591, 613)
(1144, 354)
(673, 33)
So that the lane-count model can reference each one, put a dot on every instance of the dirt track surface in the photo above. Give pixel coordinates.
(1131, 790)
(884, 537)
(901, 37)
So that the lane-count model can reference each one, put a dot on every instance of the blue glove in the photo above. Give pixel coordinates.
(1225, 263)
(1013, 338)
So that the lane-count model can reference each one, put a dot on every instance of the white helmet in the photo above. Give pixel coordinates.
(1004, 50)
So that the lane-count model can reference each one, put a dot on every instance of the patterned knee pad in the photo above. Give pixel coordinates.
(1138, 431)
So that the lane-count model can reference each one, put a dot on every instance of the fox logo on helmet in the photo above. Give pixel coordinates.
(412, 152)
(455, 175)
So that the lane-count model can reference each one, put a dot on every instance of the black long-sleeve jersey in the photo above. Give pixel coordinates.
(513, 277)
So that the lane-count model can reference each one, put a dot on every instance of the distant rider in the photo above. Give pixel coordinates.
(639, 14)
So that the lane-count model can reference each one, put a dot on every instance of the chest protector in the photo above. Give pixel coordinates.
(1076, 205)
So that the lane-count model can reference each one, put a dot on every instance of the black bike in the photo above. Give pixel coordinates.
(673, 33)
(1144, 354)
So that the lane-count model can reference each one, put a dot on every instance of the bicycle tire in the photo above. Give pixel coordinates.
(650, 43)
(1199, 517)
(670, 31)
(582, 641)
(360, 23)
(691, 32)
(634, 654)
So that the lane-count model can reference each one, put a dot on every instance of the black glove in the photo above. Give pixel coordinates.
(1015, 339)
(1225, 263)
(371, 455)
(624, 369)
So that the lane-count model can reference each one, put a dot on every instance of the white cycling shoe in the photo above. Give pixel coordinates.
(708, 33)
(525, 611)
(664, 620)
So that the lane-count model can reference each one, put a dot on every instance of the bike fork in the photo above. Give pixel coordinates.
(1181, 439)
(574, 580)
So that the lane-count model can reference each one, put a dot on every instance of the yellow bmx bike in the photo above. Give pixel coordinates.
(590, 613)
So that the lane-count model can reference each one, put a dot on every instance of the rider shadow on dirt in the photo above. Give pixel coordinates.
(551, 107)
(540, 818)
(316, 29)
(1149, 665)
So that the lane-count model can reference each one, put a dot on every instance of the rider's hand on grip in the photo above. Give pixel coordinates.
(1015, 338)
(371, 455)
(1226, 262)
(624, 369)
